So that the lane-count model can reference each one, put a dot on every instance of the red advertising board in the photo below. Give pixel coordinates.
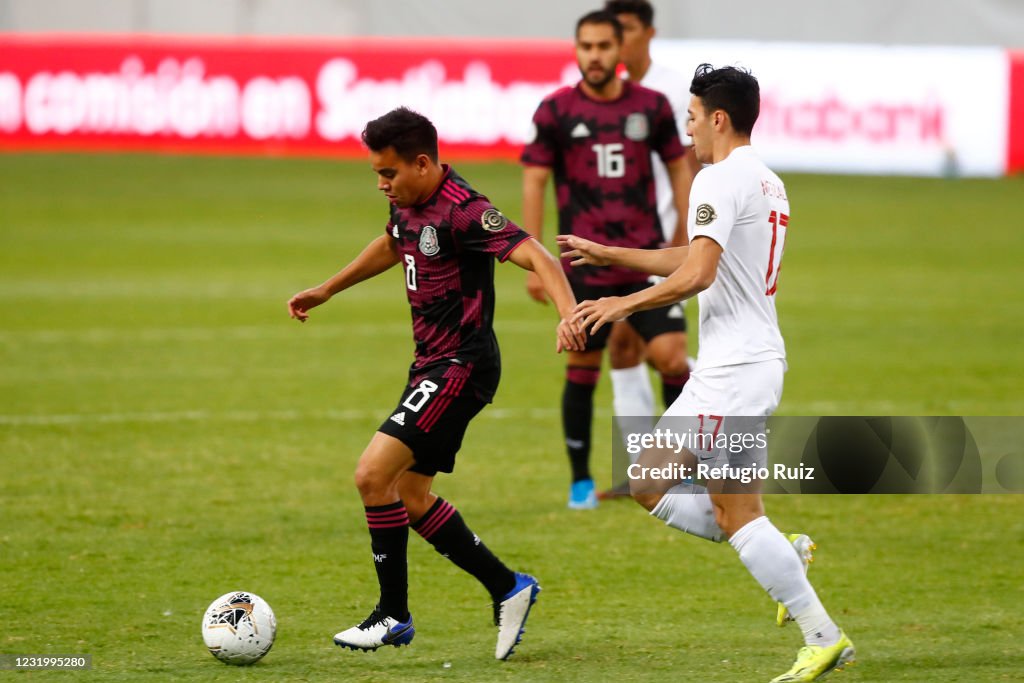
(1015, 122)
(313, 97)
(268, 95)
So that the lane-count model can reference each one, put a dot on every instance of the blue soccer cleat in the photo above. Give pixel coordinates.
(582, 495)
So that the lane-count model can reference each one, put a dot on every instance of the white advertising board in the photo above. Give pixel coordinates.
(925, 111)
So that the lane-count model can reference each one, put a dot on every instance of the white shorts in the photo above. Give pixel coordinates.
(751, 389)
(722, 411)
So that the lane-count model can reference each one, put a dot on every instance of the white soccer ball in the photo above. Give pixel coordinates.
(239, 628)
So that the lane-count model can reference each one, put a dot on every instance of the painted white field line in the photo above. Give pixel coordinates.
(287, 330)
(815, 408)
(253, 416)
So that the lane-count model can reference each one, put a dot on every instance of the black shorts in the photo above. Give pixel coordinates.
(648, 324)
(432, 417)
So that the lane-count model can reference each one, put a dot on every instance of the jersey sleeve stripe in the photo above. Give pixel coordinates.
(526, 237)
(446, 192)
(457, 192)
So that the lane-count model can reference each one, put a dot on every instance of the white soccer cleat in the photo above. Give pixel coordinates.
(511, 612)
(377, 630)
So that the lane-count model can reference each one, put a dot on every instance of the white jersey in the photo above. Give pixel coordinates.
(741, 204)
(676, 88)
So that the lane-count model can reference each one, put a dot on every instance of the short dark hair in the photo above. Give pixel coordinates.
(601, 16)
(641, 9)
(735, 91)
(408, 132)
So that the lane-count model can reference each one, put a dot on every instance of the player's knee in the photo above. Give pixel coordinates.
(625, 351)
(623, 356)
(647, 500)
(668, 354)
(670, 362)
(369, 481)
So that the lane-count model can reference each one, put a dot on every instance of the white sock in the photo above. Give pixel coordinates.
(633, 402)
(633, 394)
(688, 507)
(772, 560)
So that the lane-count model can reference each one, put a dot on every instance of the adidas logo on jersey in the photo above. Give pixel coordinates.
(399, 418)
(580, 131)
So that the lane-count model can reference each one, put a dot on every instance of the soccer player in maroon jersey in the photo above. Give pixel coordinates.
(631, 384)
(447, 236)
(597, 138)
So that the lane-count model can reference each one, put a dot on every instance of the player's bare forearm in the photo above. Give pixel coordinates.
(661, 262)
(531, 256)
(681, 173)
(535, 182)
(378, 256)
(696, 274)
(676, 287)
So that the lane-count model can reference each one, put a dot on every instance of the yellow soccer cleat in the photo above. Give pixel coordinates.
(804, 547)
(814, 662)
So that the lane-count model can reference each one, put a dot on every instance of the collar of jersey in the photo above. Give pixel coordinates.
(741, 150)
(626, 85)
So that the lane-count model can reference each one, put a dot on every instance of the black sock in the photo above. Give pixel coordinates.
(672, 386)
(578, 416)
(444, 529)
(389, 539)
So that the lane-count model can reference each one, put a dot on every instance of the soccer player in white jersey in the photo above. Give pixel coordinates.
(737, 220)
(633, 395)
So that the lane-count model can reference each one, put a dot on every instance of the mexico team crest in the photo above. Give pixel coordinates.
(428, 241)
(637, 127)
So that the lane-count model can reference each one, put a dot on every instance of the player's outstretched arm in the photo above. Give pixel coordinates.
(681, 173)
(535, 182)
(694, 276)
(377, 257)
(661, 262)
(531, 256)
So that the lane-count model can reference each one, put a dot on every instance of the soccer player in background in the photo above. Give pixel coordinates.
(632, 393)
(597, 139)
(737, 222)
(447, 236)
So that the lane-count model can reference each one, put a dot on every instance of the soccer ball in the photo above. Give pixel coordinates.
(239, 628)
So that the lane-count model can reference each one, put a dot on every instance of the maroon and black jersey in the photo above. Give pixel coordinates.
(448, 245)
(600, 153)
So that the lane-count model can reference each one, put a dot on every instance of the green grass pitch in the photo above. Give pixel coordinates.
(167, 434)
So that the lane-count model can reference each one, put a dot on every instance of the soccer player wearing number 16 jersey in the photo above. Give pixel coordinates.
(737, 224)
(596, 139)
